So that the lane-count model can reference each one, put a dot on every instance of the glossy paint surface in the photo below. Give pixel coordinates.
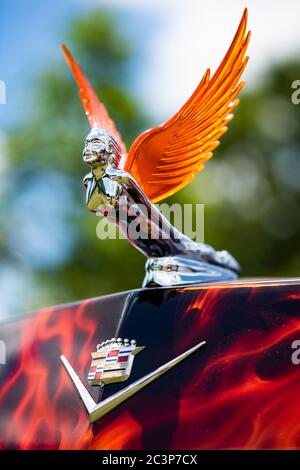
(241, 391)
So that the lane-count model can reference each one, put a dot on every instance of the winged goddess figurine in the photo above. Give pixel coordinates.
(124, 186)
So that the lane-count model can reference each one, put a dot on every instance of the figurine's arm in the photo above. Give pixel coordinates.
(158, 237)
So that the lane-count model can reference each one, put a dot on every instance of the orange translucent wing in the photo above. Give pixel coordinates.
(167, 157)
(95, 110)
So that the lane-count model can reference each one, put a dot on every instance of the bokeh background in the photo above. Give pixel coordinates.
(145, 57)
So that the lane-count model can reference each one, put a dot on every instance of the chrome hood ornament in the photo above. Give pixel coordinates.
(123, 187)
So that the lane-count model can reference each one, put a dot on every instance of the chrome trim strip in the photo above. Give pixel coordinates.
(97, 411)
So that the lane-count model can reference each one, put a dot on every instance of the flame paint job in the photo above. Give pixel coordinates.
(242, 391)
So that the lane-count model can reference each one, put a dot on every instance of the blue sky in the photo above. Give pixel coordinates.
(178, 40)
(31, 34)
(28, 40)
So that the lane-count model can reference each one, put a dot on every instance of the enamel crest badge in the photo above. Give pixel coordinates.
(113, 361)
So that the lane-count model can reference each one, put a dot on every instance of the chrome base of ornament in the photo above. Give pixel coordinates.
(176, 271)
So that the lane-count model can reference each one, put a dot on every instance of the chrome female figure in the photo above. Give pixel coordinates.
(173, 258)
(123, 186)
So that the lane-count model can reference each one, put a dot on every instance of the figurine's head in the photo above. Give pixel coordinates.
(101, 149)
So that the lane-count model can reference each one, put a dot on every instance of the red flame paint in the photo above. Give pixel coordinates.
(241, 392)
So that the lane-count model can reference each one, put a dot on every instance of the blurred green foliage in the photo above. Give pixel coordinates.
(251, 188)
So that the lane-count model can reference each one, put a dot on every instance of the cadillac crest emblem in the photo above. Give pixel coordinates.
(112, 362)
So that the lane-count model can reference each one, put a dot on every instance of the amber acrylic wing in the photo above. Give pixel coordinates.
(94, 109)
(167, 157)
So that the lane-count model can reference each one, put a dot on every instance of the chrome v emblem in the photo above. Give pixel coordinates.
(97, 411)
